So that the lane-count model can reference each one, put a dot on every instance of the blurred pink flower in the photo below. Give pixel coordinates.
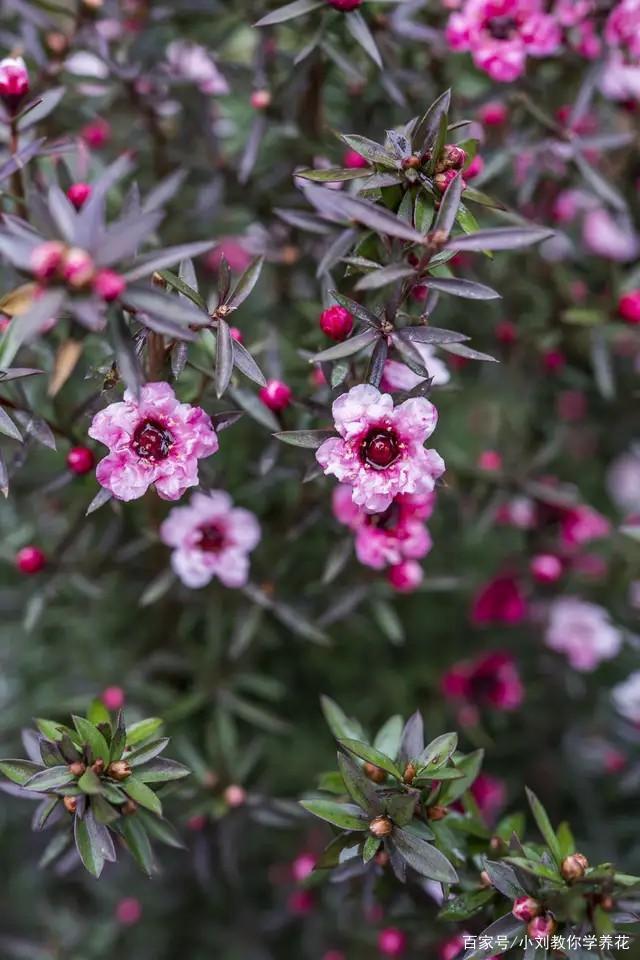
(211, 538)
(626, 697)
(397, 376)
(113, 698)
(386, 539)
(380, 451)
(152, 440)
(582, 524)
(192, 62)
(405, 577)
(233, 251)
(609, 238)
(492, 680)
(499, 601)
(490, 794)
(392, 942)
(623, 481)
(501, 34)
(583, 632)
(128, 911)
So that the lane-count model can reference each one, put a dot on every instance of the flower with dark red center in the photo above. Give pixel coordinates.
(344, 5)
(380, 450)
(78, 194)
(211, 538)
(629, 307)
(490, 681)
(152, 440)
(30, 560)
(336, 322)
(14, 81)
(109, 285)
(276, 395)
(80, 460)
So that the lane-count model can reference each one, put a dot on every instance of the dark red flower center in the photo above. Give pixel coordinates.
(501, 28)
(385, 521)
(380, 448)
(211, 538)
(151, 441)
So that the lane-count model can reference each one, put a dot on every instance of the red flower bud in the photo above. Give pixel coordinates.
(526, 908)
(492, 114)
(46, 259)
(260, 99)
(354, 160)
(78, 194)
(77, 267)
(276, 395)
(30, 560)
(629, 306)
(405, 577)
(14, 81)
(546, 568)
(542, 927)
(336, 322)
(80, 460)
(109, 285)
(344, 5)
(574, 866)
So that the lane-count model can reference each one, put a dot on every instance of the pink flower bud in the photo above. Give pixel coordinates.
(405, 577)
(236, 334)
(128, 911)
(30, 560)
(113, 698)
(14, 81)
(526, 908)
(554, 361)
(78, 194)
(261, 99)
(506, 332)
(442, 180)
(546, 568)
(303, 865)
(475, 168)
(235, 796)
(336, 322)
(109, 285)
(392, 942)
(46, 259)
(96, 133)
(492, 114)
(77, 267)
(197, 822)
(301, 902)
(629, 306)
(80, 460)
(490, 461)
(344, 5)
(354, 160)
(541, 927)
(452, 947)
(276, 395)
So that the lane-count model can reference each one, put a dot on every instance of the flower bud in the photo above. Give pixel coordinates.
(380, 826)
(412, 162)
(70, 804)
(96, 133)
(30, 560)
(492, 114)
(542, 927)
(80, 460)
(629, 307)
(46, 259)
(113, 698)
(376, 774)
(442, 180)
(475, 168)
(77, 267)
(392, 942)
(98, 766)
(109, 285)
(354, 160)
(77, 768)
(119, 770)
(276, 395)
(14, 81)
(336, 322)
(409, 773)
(235, 795)
(128, 808)
(261, 99)
(78, 194)
(405, 577)
(453, 158)
(526, 908)
(437, 812)
(574, 867)
(236, 334)
(546, 568)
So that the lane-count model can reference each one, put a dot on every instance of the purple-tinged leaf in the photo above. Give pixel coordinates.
(245, 284)
(126, 356)
(247, 365)
(20, 159)
(359, 30)
(163, 305)
(252, 146)
(386, 275)
(102, 496)
(63, 213)
(224, 358)
(468, 289)
(49, 779)
(340, 207)
(347, 348)
(336, 250)
(17, 373)
(164, 191)
(448, 209)
(122, 239)
(500, 238)
(333, 174)
(431, 335)
(310, 439)
(8, 427)
(461, 350)
(427, 128)
(357, 309)
(29, 324)
(377, 362)
(178, 284)
(155, 262)
(290, 10)
(46, 103)
(423, 857)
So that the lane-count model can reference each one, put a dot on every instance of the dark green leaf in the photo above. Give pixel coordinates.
(49, 779)
(142, 794)
(310, 439)
(90, 735)
(544, 825)
(19, 771)
(371, 755)
(359, 787)
(423, 857)
(343, 815)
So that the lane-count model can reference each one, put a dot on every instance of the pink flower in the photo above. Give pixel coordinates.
(519, 512)
(303, 866)
(191, 62)
(583, 632)
(152, 440)
(113, 698)
(14, 81)
(501, 34)
(499, 601)
(608, 238)
(386, 539)
(546, 567)
(623, 481)
(392, 942)
(626, 697)
(619, 79)
(622, 28)
(380, 450)
(301, 902)
(490, 794)
(490, 681)
(581, 525)
(629, 307)
(231, 248)
(493, 114)
(405, 577)
(211, 538)
(128, 911)
(453, 947)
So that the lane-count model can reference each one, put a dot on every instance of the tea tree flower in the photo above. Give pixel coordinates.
(154, 440)
(492, 680)
(583, 632)
(211, 538)
(386, 539)
(380, 451)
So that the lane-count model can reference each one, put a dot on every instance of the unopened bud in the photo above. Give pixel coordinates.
(452, 158)
(574, 866)
(382, 858)
(14, 81)
(77, 267)
(77, 768)
(436, 812)
(70, 804)
(98, 766)
(376, 774)
(380, 827)
(409, 773)
(485, 879)
(260, 99)
(542, 927)
(46, 259)
(119, 770)
(497, 844)
(128, 808)
(526, 908)
(411, 163)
